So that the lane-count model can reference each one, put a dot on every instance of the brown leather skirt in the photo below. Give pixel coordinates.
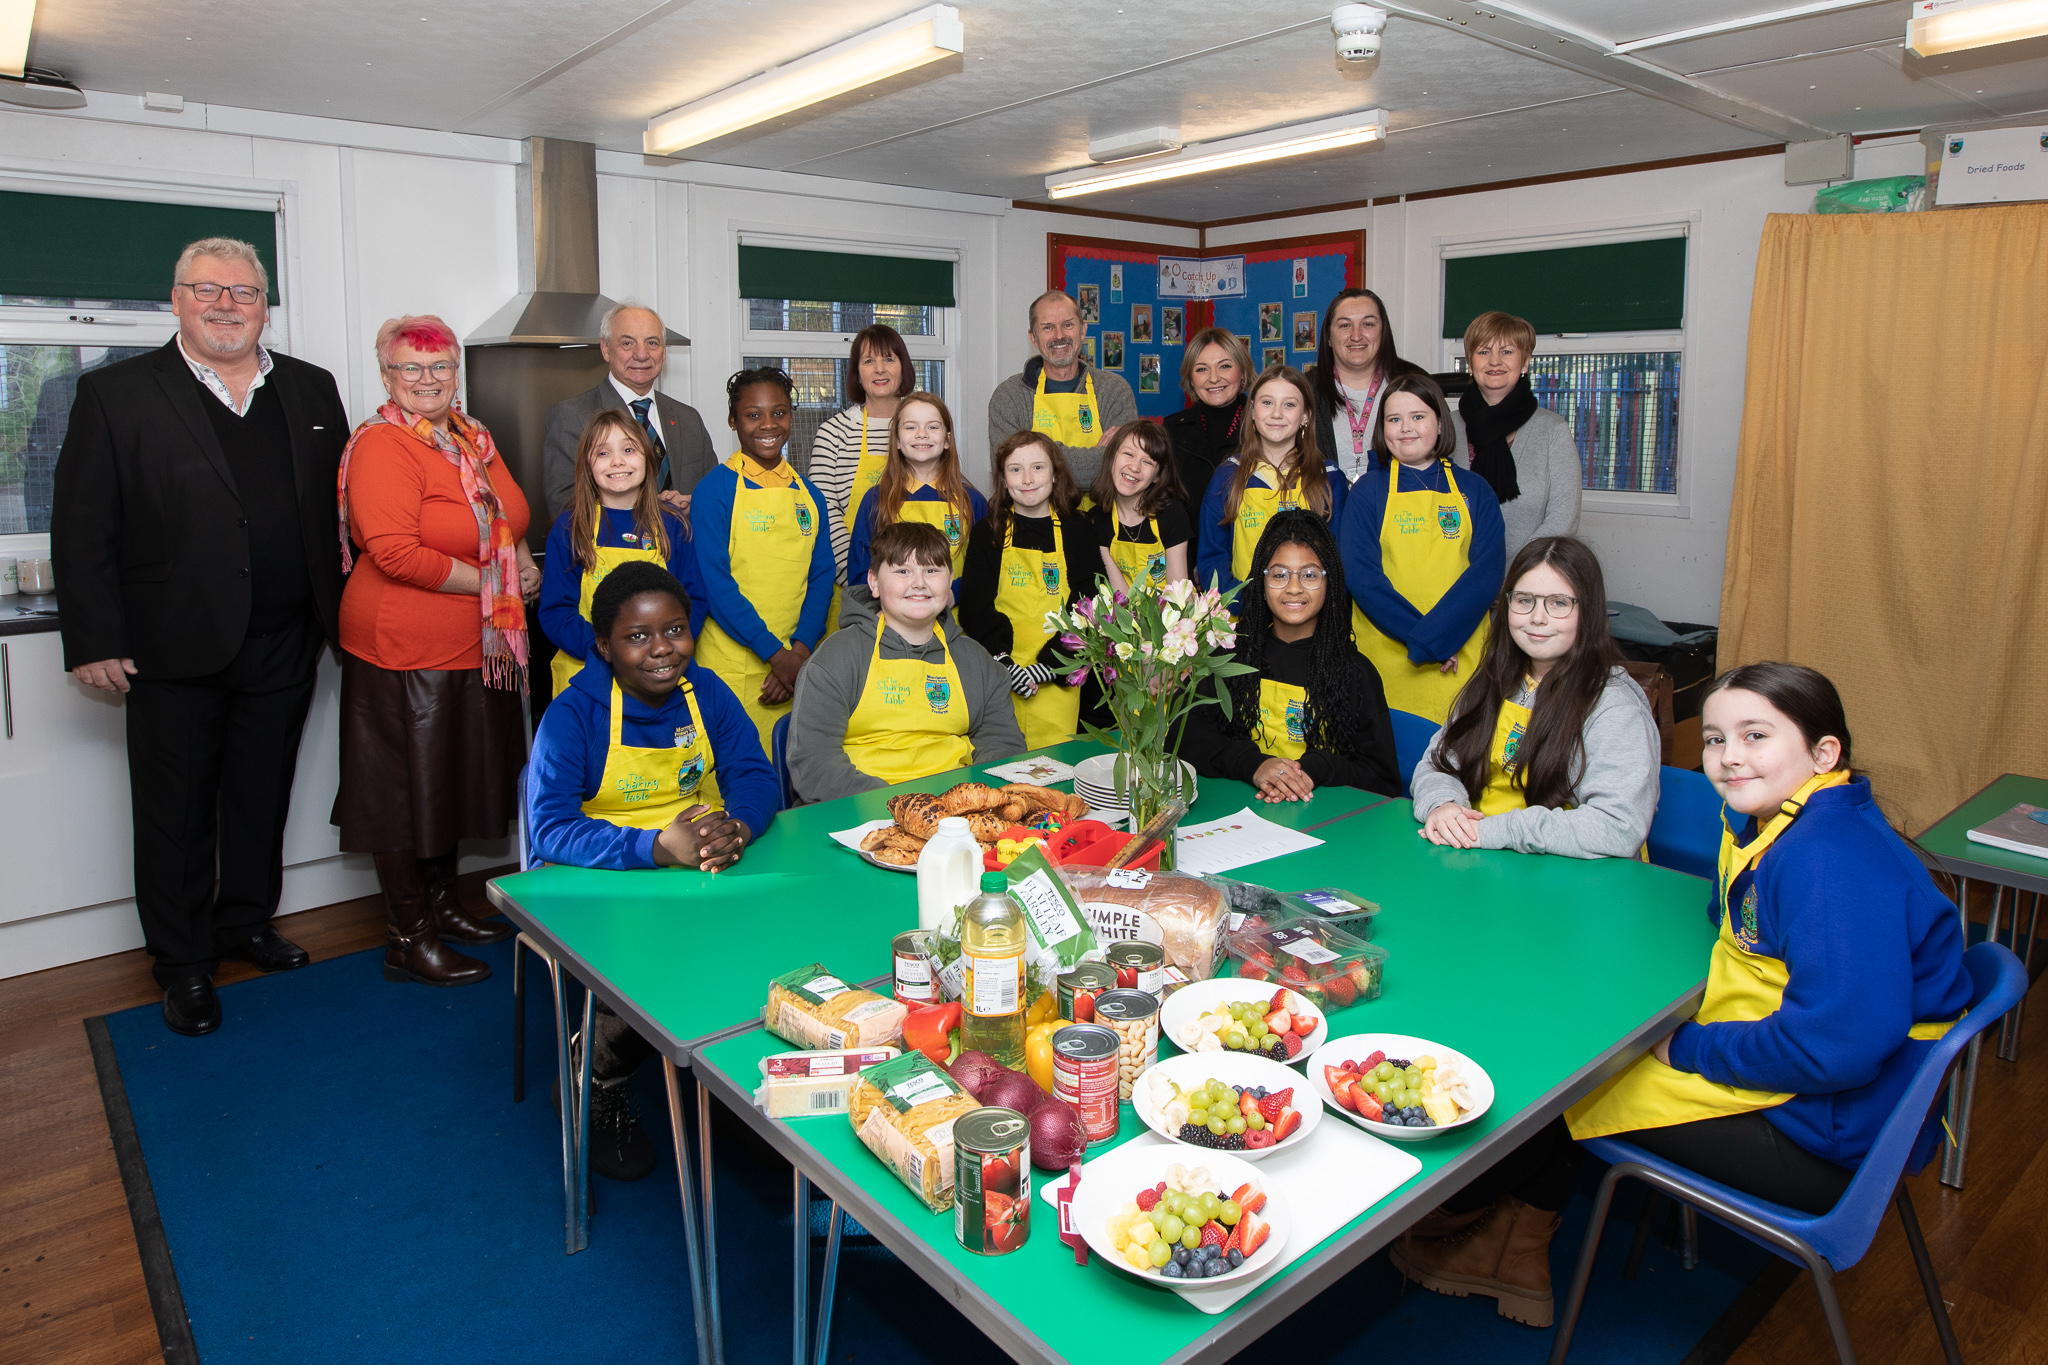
(428, 757)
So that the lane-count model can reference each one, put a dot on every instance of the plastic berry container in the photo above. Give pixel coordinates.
(1336, 907)
(1306, 953)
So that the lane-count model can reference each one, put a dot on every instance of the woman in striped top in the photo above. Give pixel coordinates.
(852, 447)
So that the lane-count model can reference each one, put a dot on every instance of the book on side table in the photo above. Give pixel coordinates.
(2023, 829)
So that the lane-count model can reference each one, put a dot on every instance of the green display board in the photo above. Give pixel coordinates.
(768, 272)
(63, 246)
(1612, 287)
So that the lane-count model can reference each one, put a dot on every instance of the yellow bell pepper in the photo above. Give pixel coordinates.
(1045, 1007)
(1038, 1052)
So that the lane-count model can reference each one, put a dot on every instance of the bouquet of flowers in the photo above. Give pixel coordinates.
(1151, 650)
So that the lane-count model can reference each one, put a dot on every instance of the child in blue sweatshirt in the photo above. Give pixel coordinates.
(1837, 966)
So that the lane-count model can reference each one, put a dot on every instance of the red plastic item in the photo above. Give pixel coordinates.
(1018, 833)
(1090, 843)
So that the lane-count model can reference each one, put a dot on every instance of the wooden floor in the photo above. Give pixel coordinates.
(71, 1285)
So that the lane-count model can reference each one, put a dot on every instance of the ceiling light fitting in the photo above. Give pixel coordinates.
(40, 89)
(1939, 26)
(915, 40)
(17, 17)
(1202, 158)
(1124, 146)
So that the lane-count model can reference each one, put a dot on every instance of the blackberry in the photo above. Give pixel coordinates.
(1193, 1133)
(1232, 1142)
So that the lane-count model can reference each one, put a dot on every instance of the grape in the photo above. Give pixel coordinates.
(1171, 1229)
(1236, 1125)
(1158, 1215)
(1161, 1254)
(1198, 1114)
(1383, 1072)
(1254, 1121)
(1235, 1040)
(1211, 1205)
(1262, 1008)
(1259, 1030)
(1197, 1219)
(1413, 1075)
(1217, 1125)
(1229, 1213)
(1190, 1238)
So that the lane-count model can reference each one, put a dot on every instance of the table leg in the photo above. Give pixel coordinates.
(705, 1170)
(566, 1093)
(800, 1304)
(706, 1350)
(583, 1128)
(830, 1286)
(1954, 1157)
(2009, 1032)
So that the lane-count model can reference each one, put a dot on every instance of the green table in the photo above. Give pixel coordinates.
(1553, 973)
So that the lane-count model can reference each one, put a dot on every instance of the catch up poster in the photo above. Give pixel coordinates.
(1140, 303)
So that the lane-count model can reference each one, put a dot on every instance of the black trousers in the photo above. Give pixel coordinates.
(210, 765)
(616, 1050)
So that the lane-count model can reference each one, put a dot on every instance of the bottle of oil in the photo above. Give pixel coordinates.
(992, 944)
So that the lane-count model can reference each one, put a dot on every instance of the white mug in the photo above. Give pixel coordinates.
(9, 584)
(35, 576)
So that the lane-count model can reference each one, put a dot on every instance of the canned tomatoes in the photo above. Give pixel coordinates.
(1084, 1074)
(1139, 966)
(1133, 1016)
(992, 1180)
(913, 953)
(1078, 988)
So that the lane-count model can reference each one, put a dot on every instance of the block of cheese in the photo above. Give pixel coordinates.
(797, 1085)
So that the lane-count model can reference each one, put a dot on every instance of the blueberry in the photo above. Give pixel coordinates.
(1236, 1258)
(1216, 1267)
(1172, 1271)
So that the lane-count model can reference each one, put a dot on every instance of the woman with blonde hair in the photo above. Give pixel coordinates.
(1215, 370)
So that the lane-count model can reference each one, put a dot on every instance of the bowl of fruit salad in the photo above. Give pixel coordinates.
(1397, 1087)
(1224, 1225)
(1227, 1014)
(1227, 1102)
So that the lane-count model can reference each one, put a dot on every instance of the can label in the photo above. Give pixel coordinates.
(1084, 1074)
(914, 967)
(1139, 966)
(992, 1181)
(1133, 1016)
(1076, 990)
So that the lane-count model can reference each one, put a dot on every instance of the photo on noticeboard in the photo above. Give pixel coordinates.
(1245, 342)
(1300, 277)
(1112, 350)
(1088, 351)
(1141, 324)
(1304, 331)
(1116, 282)
(1170, 326)
(1273, 356)
(1269, 322)
(1148, 372)
(1090, 304)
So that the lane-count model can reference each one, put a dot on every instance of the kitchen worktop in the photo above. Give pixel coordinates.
(28, 614)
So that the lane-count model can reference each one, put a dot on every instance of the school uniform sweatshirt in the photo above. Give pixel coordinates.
(829, 687)
(1613, 799)
(568, 760)
(1215, 539)
(1440, 632)
(711, 512)
(1871, 948)
(561, 577)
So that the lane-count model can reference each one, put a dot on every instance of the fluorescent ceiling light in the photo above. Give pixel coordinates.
(1201, 158)
(1939, 26)
(928, 35)
(1750, 21)
(17, 17)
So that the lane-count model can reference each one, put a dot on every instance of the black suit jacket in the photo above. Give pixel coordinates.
(690, 454)
(147, 530)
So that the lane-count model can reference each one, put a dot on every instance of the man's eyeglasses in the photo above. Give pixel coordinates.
(411, 372)
(210, 293)
(1556, 604)
(1310, 577)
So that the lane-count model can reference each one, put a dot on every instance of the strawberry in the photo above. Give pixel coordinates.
(1332, 1075)
(1250, 1196)
(1360, 977)
(1280, 1021)
(1369, 1063)
(1259, 1140)
(1277, 1003)
(1368, 1105)
(1292, 1043)
(1251, 971)
(1147, 1199)
(1289, 1121)
(1340, 991)
(1305, 1024)
(1247, 1105)
(1212, 1234)
(1252, 1231)
(1235, 1241)
(1293, 972)
(1270, 1107)
(1346, 1093)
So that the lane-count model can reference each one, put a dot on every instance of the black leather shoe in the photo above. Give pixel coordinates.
(270, 951)
(191, 1007)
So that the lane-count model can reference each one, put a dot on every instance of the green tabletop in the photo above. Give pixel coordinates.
(1947, 840)
(1550, 972)
(683, 956)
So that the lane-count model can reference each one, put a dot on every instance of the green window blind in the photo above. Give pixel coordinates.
(1612, 287)
(768, 272)
(68, 247)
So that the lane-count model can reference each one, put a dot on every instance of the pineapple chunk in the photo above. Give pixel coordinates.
(1440, 1108)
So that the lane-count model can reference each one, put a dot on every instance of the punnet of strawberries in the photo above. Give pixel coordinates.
(1317, 960)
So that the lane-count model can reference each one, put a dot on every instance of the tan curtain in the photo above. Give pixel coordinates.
(1890, 521)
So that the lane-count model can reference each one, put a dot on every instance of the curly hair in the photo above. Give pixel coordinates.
(1336, 690)
(742, 381)
(625, 583)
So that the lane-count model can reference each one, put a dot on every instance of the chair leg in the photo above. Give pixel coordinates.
(823, 1345)
(519, 1019)
(1831, 1309)
(1962, 1096)
(1689, 1237)
(1644, 1224)
(1925, 1264)
(1602, 1202)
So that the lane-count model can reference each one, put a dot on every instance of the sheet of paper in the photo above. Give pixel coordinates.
(851, 838)
(1235, 841)
(1039, 772)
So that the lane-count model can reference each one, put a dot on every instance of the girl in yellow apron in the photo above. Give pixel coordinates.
(1309, 714)
(1423, 551)
(1032, 554)
(923, 482)
(614, 517)
(1277, 467)
(1551, 746)
(1142, 527)
(851, 448)
(764, 555)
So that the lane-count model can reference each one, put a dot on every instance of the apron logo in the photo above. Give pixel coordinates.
(952, 528)
(938, 693)
(630, 537)
(1447, 517)
(1955, 147)
(690, 775)
(1294, 730)
(1052, 576)
(803, 519)
(894, 693)
(1746, 935)
(760, 521)
(1407, 523)
(1044, 420)
(1512, 747)
(686, 736)
(1087, 419)
(633, 788)
(1155, 566)
(1020, 577)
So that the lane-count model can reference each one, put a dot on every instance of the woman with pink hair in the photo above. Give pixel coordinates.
(433, 633)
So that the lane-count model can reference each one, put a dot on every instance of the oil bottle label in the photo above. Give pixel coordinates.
(995, 985)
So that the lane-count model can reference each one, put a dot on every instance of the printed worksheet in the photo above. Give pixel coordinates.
(1235, 841)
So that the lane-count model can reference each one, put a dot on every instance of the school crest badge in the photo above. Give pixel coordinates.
(952, 528)
(1294, 727)
(1512, 748)
(686, 736)
(938, 693)
(1955, 146)
(1051, 572)
(803, 518)
(1087, 419)
(1746, 936)
(1155, 568)
(1449, 520)
(689, 775)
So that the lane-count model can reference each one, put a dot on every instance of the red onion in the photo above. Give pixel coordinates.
(973, 1070)
(1011, 1090)
(1057, 1135)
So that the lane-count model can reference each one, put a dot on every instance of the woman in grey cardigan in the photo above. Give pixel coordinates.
(1524, 452)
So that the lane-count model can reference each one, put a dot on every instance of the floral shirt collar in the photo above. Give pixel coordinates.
(215, 385)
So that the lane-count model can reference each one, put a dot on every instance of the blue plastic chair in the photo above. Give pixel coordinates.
(1412, 734)
(778, 755)
(1837, 1239)
(1686, 835)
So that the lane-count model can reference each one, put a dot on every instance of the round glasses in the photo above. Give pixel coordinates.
(1310, 577)
(411, 372)
(1556, 604)
(240, 293)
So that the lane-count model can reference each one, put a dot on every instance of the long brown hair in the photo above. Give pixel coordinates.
(895, 484)
(646, 508)
(1064, 491)
(1158, 447)
(1388, 361)
(1308, 475)
(1552, 753)
(1417, 385)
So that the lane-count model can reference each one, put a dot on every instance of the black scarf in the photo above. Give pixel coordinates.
(1220, 428)
(1488, 426)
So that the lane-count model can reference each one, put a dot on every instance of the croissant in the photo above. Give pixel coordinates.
(987, 826)
(918, 813)
(893, 845)
(1045, 798)
(969, 797)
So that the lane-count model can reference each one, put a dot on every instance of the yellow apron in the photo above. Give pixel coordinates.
(1030, 583)
(773, 530)
(565, 668)
(947, 518)
(911, 721)
(649, 788)
(1139, 561)
(1257, 507)
(1501, 794)
(1425, 543)
(866, 474)
(1072, 419)
(1282, 710)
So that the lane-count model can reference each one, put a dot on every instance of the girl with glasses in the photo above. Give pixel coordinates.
(1550, 746)
(1308, 711)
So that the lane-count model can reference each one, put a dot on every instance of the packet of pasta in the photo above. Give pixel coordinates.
(815, 1009)
(904, 1111)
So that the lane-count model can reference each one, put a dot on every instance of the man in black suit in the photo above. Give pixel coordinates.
(199, 571)
(635, 348)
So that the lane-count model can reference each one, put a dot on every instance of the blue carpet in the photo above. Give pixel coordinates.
(342, 1177)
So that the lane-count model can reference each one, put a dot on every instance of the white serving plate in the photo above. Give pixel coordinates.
(1095, 782)
(1356, 1047)
(1110, 1181)
(849, 839)
(1200, 997)
(1232, 1068)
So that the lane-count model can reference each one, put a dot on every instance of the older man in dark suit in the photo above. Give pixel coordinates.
(199, 572)
(635, 348)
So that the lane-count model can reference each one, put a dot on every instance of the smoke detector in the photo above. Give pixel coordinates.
(1358, 29)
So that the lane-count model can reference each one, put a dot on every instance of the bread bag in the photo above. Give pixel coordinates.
(1181, 912)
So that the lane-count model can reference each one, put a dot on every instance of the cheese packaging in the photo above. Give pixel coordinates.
(815, 1009)
(797, 1085)
(904, 1111)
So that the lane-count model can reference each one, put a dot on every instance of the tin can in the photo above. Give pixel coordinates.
(1139, 966)
(1084, 1074)
(913, 952)
(1133, 1016)
(1079, 987)
(992, 1180)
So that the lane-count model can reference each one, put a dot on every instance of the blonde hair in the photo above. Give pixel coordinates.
(1233, 346)
(225, 249)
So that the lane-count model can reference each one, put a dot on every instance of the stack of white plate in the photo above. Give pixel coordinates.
(1095, 783)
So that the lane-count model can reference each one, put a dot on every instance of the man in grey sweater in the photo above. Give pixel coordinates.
(1080, 406)
(835, 752)
(1613, 800)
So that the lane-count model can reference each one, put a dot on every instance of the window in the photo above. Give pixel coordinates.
(1622, 407)
(821, 388)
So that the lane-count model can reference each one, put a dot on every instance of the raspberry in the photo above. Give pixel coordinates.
(1147, 1200)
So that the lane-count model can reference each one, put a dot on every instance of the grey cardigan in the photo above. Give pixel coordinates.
(1547, 471)
(1614, 799)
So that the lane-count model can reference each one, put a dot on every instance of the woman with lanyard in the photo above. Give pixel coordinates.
(1837, 965)
(1355, 361)
(1277, 466)
(1214, 370)
(851, 448)
(1140, 521)
(1525, 453)
(923, 482)
(763, 557)
(1551, 747)
(1422, 552)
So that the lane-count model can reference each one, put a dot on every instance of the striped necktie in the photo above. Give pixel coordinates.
(640, 414)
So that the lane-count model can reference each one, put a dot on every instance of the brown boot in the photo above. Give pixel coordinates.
(413, 952)
(452, 923)
(1504, 1256)
(1441, 1222)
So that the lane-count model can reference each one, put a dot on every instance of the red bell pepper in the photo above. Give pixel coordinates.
(932, 1030)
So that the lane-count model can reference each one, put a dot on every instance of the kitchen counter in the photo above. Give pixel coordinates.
(28, 614)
